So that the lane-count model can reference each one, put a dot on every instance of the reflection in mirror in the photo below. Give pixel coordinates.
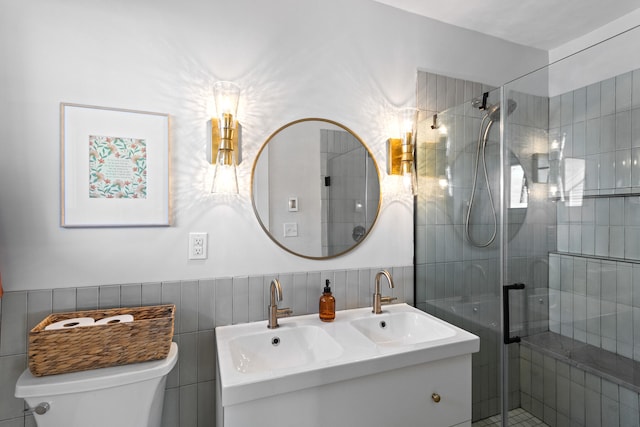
(315, 188)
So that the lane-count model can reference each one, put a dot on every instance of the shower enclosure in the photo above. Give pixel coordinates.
(528, 235)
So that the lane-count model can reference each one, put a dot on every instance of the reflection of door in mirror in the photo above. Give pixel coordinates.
(347, 199)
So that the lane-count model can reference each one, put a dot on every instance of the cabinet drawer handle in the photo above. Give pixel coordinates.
(435, 397)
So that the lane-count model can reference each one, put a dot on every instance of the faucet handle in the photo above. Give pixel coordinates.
(284, 312)
(387, 300)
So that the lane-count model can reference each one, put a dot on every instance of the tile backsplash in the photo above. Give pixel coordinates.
(201, 306)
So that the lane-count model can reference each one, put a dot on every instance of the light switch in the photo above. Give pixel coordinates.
(290, 229)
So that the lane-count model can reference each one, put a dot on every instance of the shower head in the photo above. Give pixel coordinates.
(493, 111)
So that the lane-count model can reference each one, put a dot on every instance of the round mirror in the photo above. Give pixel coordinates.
(315, 188)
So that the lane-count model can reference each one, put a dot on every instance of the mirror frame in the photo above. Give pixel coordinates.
(253, 199)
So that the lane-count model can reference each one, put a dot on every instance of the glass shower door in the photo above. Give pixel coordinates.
(578, 137)
(480, 225)
(528, 236)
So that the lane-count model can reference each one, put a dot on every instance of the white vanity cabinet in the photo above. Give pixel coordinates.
(403, 397)
(401, 368)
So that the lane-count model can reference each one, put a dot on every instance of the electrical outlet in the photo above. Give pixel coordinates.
(197, 245)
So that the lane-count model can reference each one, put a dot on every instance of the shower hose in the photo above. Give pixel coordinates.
(482, 144)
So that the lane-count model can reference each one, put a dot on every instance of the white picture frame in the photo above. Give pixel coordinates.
(114, 168)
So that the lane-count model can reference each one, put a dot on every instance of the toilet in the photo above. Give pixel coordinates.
(123, 396)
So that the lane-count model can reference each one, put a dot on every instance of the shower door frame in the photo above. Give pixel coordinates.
(504, 265)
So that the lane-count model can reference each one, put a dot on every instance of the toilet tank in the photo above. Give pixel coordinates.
(122, 396)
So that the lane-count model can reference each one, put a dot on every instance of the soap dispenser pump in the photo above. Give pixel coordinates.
(327, 304)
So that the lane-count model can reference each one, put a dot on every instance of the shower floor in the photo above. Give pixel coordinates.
(517, 418)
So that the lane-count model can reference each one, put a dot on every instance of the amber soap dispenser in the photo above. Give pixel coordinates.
(327, 304)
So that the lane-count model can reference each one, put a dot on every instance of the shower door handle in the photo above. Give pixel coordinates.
(505, 309)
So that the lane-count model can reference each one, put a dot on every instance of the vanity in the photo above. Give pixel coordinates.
(402, 367)
(316, 194)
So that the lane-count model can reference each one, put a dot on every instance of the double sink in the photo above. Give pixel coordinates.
(303, 352)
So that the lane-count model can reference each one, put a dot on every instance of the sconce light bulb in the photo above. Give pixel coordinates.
(227, 95)
(407, 126)
(408, 118)
(225, 178)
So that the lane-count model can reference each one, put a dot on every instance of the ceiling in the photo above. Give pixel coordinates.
(543, 24)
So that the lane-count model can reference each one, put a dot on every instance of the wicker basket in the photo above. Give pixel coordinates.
(59, 351)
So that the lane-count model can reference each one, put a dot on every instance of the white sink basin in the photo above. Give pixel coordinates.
(285, 347)
(402, 328)
(311, 353)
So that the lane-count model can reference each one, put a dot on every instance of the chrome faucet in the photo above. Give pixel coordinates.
(378, 299)
(275, 291)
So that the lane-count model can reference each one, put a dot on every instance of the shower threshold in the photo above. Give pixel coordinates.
(517, 418)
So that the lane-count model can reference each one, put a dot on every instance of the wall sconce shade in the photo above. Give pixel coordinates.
(224, 138)
(400, 151)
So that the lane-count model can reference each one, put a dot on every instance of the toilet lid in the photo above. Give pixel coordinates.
(75, 382)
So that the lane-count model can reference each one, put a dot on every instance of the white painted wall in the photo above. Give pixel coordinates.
(347, 60)
(599, 55)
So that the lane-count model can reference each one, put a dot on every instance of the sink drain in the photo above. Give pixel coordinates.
(275, 341)
(383, 324)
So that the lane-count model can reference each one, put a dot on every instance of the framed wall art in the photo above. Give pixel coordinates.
(114, 167)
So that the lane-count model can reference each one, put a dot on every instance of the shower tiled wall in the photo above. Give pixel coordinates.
(445, 265)
(600, 126)
(595, 276)
(566, 395)
(201, 306)
(596, 301)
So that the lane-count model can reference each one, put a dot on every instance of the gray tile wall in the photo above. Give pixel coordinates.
(565, 395)
(596, 301)
(599, 128)
(606, 227)
(594, 295)
(594, 278)
(201, 306)
(600, 125)
(446, 266)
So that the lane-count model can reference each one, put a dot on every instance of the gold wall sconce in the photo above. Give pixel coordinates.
(400, 151)
(224, 138)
